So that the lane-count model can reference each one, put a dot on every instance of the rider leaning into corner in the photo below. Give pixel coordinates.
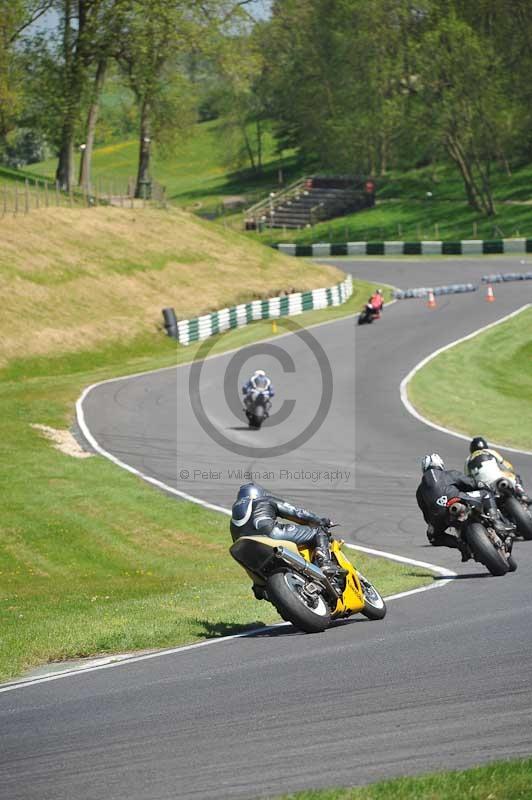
(479, 447)
(259, 383)
(437, 486)
(255, 513)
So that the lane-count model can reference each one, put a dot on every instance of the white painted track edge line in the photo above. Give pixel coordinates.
(403, 388)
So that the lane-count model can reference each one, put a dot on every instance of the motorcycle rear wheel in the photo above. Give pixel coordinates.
(484, 550)
(514, 510)
(374, 605)
(285, 591)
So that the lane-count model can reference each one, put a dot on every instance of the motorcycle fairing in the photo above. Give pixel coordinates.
(254, 553)
(352, 599)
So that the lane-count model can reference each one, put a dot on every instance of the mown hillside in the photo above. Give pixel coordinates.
(72, 279)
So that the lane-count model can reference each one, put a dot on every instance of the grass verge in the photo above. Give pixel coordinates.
(504, 780)
(482, 386)
(75, 279)
(92, 560)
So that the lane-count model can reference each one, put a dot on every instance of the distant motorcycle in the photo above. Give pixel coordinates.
(257, 409)
(474, 526)
(368, 314)
(285, 575)
(508, 492)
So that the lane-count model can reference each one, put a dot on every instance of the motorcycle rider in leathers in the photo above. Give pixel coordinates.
(259, 383)
(255, 513)
(439, 485)
(479, 446)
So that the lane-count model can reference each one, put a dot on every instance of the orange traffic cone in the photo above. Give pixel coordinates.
(431, 302)
(490, 297)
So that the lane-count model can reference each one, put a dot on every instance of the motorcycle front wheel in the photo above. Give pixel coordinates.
(483, 549)
(309, 613)
(515, 511)
(374, 605)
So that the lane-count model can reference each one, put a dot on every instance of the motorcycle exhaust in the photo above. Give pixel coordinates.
(504, 485)
(306, 568)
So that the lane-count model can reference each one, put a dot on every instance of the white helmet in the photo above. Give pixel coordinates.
(433, 461)
(259, 373)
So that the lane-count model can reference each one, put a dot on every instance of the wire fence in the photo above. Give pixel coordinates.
(32, 194)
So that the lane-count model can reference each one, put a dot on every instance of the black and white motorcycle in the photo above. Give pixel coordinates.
(257, 407)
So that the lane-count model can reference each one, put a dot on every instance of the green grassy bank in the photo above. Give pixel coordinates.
(93, 560)
(482, 386)
(197, 176)
(505, 780)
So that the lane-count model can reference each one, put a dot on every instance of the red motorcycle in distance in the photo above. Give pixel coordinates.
(372, 310)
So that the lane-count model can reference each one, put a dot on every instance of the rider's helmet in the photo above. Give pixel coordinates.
(379, 291)
(251, 491)
(478, 443)
(243, 505)
(432, 461)
(260, 380)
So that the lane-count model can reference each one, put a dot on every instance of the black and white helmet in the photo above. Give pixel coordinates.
(432, 461)
(251, 491)
(243, 505)
(478, 443)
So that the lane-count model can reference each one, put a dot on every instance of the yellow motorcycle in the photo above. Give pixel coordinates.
(285, 575)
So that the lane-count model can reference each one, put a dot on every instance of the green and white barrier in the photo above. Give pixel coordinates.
(192, 330)
(436, 248)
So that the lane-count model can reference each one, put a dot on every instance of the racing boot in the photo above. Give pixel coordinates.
(322, 557)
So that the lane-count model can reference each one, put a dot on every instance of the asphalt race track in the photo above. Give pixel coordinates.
(442, 683)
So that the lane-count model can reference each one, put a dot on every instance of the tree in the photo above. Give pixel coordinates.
(87, 30)
(240, 98)
(463, 96)
(158, 36)
(337, 71)
(108, 26)
(16, 16)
